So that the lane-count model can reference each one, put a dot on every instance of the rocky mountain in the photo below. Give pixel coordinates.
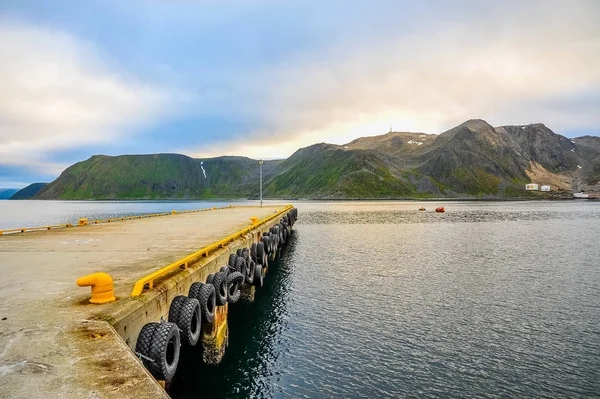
(28, 192)
(590, 170)
(473, 159)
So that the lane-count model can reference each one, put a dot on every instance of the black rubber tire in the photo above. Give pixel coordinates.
(250, 272)
(282, 234)
(160, 342)
(234, 283)
(265, 262)
(246, 254)
(266, 244)
(241, 265)
(195, 290)
(239, 252)
(232, 259)
(210, 278)
(205, 294)
(253, 251)
(224, 269)
(275, 243)
(144, 340)
(220, 283)
(185, 312)
(260, 251)
(281, 240)
(258, 275)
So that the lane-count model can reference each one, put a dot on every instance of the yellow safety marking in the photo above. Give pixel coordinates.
(26, 229)
(185, 262)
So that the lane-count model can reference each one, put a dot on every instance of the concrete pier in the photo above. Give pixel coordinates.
(54, 343)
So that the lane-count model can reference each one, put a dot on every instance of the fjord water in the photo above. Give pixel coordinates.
(379, 300)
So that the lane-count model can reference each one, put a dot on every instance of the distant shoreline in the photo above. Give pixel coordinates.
(466, 199)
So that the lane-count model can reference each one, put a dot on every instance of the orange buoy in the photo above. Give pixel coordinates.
(440, 209)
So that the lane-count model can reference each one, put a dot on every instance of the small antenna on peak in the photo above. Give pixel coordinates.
(390, 128)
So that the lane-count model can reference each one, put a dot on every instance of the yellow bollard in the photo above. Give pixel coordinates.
(173, 212)
(102, 287)
(254, 219)
(82, 222)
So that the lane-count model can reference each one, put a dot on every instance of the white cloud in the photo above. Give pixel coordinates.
(507, 62)
(60, 93)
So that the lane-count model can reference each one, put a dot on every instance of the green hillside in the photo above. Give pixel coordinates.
(154, 176)
(326, 171)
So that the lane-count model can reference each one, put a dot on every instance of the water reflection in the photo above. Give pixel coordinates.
(256, 342)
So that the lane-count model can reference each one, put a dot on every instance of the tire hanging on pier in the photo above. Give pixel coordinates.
(253, 251)
(241, 265)
(159, 347)
(275, 240)
(283, 233)
(206, 296)
(234, 283)
(258, 275)
(250, 272)
(260, 252)
(246, 254)
(220, 283)
(267, 244)
(232, 258)
(185, 313)
(209, 278)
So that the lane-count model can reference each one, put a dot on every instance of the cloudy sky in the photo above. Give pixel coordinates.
(262, 78)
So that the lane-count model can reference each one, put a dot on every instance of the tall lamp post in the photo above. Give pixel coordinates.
(260, 163)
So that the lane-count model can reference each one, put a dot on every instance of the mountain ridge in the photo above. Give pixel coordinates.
(471, 160)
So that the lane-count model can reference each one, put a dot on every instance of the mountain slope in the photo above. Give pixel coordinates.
(28, 192)
(590, 168)
(475, 158)
(6, 193)
(328, 171)
(155, 176)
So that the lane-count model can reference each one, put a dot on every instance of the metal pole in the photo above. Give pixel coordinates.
(260, 163)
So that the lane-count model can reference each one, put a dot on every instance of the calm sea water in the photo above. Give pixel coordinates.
(379, 300)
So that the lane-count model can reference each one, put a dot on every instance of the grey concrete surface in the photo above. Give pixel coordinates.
(53, 343)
